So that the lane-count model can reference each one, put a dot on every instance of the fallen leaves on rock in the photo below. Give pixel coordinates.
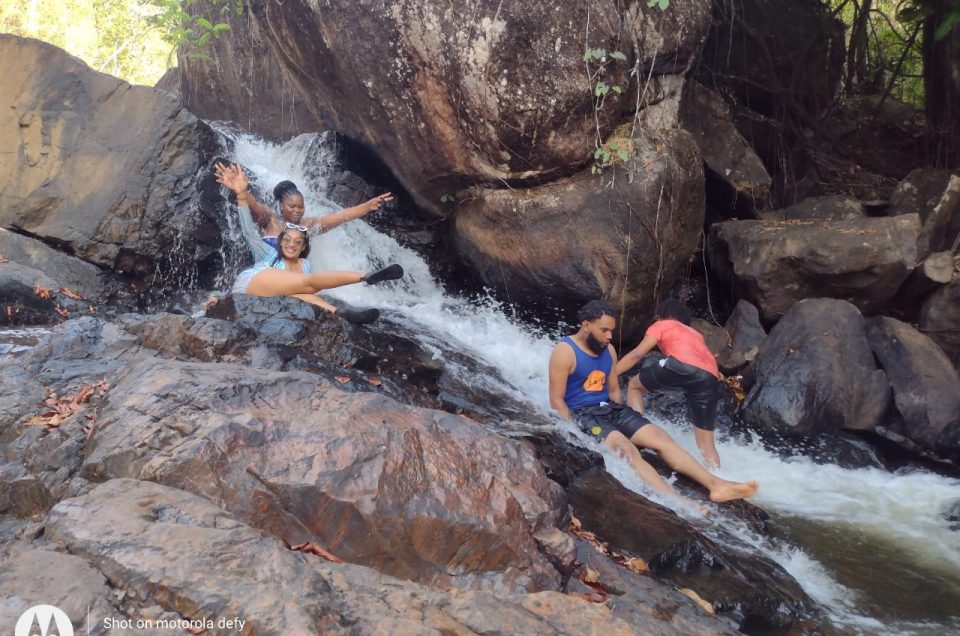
(342, 379)
(705, 606)
(71, 294)
(733, 381)
(313, 548)
(634, 564)
(55, 409)
(4, 260)
(42, 292)
(374, 380)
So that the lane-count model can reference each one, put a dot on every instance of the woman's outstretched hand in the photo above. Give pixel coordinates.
(374, 204)
(232, 177)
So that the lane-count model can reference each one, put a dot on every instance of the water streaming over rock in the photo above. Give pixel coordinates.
(874, 547)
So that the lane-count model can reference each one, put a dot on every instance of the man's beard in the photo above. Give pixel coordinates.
(595, 345)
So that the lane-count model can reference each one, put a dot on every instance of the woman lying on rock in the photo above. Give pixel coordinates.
(288, 273)
(261, 227)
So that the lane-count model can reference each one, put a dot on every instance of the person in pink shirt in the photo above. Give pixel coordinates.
(688, 367)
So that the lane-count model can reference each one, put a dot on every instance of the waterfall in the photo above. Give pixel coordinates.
(904, 577)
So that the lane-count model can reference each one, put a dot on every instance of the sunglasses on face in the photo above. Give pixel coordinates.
(294, 226)
(296, 242)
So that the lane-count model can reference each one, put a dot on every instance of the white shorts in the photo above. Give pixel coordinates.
(244, 278)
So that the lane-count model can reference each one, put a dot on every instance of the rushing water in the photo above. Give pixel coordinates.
(873, 547)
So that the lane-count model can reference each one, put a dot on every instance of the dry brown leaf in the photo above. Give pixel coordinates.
(374, 380)
(71, 294)
(42, 292)
(4, 260)
(342, 379)
(705, 606)
(60, 310)
(313, 548)
(196, 630)
(590, 576)
(575, 523)
(635, 564)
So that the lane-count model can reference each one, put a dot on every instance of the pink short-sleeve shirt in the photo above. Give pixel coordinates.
(683, 343)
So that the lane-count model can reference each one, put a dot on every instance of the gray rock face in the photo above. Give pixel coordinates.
(463, 93)
(745, 334)
(926, 387)
(935, 196)
(30, 297)
(246, 84)
(75, 274)
(193, 561)
(726, 154)
(815, 373)
(773, 264)
(102, 169)
(574, 240)
(940, 319)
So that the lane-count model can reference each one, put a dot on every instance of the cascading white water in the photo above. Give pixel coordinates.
(899, 510)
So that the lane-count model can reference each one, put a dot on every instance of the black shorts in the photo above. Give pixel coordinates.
(601, 420)
(700, 387)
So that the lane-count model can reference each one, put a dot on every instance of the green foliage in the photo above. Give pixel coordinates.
(191, 24)
(447, 198)
(599, 63)
(662, 4)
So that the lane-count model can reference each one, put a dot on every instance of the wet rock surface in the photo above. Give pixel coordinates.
(325, 458)
(815, 373)
(926, 386)
(759, 596)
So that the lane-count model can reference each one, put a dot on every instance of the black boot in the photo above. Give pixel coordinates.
(390, 272)
(358, 316)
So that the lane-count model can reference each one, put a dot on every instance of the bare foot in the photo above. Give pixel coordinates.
(730, 490)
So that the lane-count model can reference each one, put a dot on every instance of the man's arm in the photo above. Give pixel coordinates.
(613, 382)
(561, 364)
(631, 359)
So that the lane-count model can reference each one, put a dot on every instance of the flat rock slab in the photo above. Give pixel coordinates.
(774, 264)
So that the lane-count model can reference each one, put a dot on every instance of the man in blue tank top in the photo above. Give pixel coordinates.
(584, 388)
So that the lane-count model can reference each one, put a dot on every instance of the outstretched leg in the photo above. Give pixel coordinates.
(653, 437)
(635, 392)
(618, 442)
(278, 282)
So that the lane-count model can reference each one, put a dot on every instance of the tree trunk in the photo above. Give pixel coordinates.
(941, 82)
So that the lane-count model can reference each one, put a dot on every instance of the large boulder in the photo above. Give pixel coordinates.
(73, 273)
(418, 494)
(452, 94)
(940, 318)
(103, 170)
(815, 374)
(773, 264)
(934, 195)
(729, 159)
(30, 297)
(623, 235)
(926, 387)
(172, 556)
(829, 207)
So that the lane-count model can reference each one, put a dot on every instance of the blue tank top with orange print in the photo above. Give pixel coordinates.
(587, 384)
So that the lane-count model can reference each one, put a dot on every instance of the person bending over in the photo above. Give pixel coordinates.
(584, 388)
(288, 273)
(261, 227)
(688, 367)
